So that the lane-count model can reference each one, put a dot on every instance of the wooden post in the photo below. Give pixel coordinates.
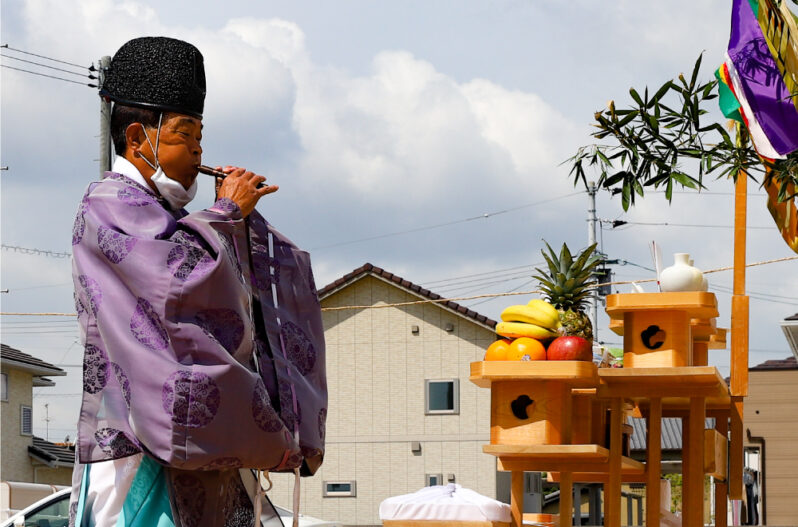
(739, 340)
(612, 491)
(686, 480)
(516, 498)
(566, 499)
(736, 450)
(694, 516)
(721, 487)
(653, 462)
(566, 478)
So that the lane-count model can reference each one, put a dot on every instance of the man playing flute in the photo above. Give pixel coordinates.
(204, 348)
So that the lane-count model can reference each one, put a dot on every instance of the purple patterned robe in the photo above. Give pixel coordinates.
(172, 364)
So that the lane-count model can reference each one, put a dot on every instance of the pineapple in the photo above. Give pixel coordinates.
(566, 287)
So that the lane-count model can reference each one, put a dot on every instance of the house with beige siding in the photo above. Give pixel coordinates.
(402, 413)
(771, 440)
(24, 457)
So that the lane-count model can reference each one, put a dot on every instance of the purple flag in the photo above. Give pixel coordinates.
(763, 88)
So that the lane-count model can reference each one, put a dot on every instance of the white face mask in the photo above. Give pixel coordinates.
(171, 190)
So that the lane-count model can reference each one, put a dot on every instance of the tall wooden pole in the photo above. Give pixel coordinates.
(739, 336)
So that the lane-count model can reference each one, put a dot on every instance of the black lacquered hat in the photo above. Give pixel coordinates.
(159, 73)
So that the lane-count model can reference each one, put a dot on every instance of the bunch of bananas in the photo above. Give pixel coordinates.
(538, 319)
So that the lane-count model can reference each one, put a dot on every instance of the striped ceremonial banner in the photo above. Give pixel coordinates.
(759, 75)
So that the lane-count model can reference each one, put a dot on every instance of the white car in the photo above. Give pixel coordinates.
(53, 511)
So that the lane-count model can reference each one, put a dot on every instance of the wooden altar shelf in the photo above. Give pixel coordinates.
(531, 401)
(718, 340)
(659, 329)
(701, 328)
(559, 458)
(699, 304)
(673, 385)
(577, 374)
(597, 477)
(716, 448)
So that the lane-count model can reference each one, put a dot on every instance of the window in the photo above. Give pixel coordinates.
(434, 479)
(25, 420)
(53, 512)
(3, 387)
(340, 489)
(442, 397)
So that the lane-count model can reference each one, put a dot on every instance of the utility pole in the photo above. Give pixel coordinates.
(591, 237)
(105, 119)
(47, 420)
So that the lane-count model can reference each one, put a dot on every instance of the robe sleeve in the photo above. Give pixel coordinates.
(166, 323)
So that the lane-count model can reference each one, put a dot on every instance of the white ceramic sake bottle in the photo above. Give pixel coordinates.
(704, 283)
(681, 276)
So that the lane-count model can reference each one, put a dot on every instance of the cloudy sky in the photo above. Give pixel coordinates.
(425, 137)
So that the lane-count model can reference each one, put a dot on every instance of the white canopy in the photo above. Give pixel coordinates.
(444, 502)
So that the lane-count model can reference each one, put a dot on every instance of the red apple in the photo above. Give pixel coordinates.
(570, 348)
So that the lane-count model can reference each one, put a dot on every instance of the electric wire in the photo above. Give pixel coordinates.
(50, 76)
(668, 224)
(41, 252)
(479, 274)
(459, 299)
(15, 289)
(89, 75)
(446, 224)
(509, 291)
(6, 46)
(498, 276)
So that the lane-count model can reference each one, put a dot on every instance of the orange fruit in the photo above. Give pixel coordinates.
(526, 346)
(498, 350)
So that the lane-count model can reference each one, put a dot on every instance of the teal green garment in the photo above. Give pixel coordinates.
(147, 502)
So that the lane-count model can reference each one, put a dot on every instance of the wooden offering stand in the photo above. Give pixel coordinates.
(549, 415)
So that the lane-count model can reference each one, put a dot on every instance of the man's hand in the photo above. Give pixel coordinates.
(240, 185)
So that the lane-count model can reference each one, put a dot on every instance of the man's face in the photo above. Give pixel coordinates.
(179, 150)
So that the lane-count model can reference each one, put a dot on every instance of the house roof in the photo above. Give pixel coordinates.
(784, 364)
(14, 357)
(369, 269)
(52, 454)
(793, 317)
(671, 438)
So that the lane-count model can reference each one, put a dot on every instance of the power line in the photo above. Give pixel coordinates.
(481, 284)
(88, 75)
(510, 291)
(487, 277)
(479, 274)
(39, 287)
(42, 252)
(619, 223)
(6, 46)
(439, 225)
(50, 76)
